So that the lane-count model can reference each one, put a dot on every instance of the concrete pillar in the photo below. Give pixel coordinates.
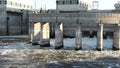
(100, 37)
(52, 30)
(116, 38)
(45, 35)
(3, 20)
(78, 36)
(58, 35)
(31, 33)
(25, 18)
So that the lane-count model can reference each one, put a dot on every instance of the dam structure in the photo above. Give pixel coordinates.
(75, 18)
(14, 17)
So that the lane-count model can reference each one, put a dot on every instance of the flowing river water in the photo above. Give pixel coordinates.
(24, 55)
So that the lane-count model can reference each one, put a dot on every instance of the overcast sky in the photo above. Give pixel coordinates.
(51, 4)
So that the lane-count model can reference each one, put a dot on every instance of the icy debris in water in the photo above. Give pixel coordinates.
(116, 56)
(75, 66)
(55, 62)
(113, 66)
(6, 52)
(109, 67)
(117, 64)
(14, 52)
(81, 60)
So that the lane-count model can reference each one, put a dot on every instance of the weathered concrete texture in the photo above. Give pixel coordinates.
(14, 23)
(69, 29)
(89, 21)
(71, 7)
(116, 37)
(78, 36)
(58, 35)
(108, 18)
(17, 21)
(45, 35)
(100, 37)
(30, 32)
(3, 20)
(52, 30)
(25, 20)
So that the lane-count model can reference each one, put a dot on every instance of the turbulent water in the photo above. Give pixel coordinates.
(23, 55)
(69, 43)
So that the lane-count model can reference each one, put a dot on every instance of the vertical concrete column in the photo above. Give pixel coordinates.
(31, 32)
(58, 35)
(41, 35)
(45, 35)
(100, 37)
(116, 38)
(78, 36)
(52, 30)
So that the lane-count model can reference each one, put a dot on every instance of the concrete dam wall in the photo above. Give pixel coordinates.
(13, 23)
(74, 25)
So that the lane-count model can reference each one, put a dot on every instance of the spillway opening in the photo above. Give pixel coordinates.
(108, 40)
(89, 41)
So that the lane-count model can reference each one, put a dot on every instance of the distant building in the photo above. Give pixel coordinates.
(117, 5)
(17, 4)
(72, 5)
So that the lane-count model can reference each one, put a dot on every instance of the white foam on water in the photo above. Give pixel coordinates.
(18, 46)
(87, 44)
(6, 52)
(55, 62)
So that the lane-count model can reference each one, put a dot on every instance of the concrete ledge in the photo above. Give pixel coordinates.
(78, 48)
(45, 45)
(115, 48)
(59, 47)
